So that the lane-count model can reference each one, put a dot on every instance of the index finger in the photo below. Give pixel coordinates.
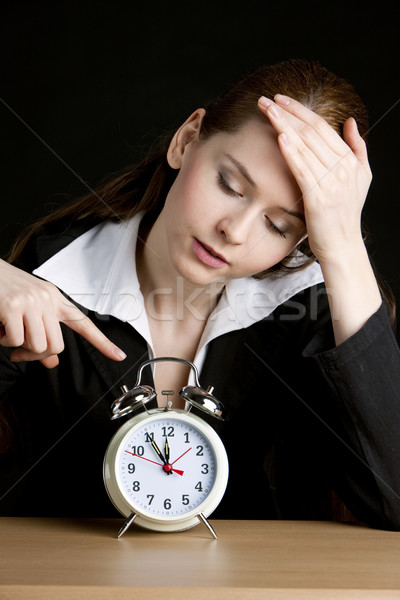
(87, 329)
(296, 112)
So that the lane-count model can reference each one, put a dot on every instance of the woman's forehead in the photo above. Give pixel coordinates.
(255, 148)
(254, 141)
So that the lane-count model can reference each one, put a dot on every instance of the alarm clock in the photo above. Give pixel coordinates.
(166, 469)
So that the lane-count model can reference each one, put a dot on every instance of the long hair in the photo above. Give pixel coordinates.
(144, 186)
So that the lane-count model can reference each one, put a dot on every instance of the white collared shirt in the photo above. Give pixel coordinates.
(98, 270)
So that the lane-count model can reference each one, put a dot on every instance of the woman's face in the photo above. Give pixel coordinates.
(234, 196)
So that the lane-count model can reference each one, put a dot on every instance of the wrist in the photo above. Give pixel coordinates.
(353, 292)
(347, 256)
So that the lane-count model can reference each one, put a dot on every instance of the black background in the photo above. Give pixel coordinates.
(86, 87)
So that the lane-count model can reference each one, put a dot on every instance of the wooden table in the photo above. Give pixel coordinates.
(80, 558)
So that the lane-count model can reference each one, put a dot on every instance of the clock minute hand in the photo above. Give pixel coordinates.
(158, 452)
(167, 467)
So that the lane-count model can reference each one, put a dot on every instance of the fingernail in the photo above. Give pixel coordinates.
(119, 353)
(265, 102)
(285, 100)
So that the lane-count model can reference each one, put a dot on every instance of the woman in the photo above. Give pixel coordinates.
(238, 246)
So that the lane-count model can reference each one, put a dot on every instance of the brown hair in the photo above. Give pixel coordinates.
(144, 186)
(330, 96)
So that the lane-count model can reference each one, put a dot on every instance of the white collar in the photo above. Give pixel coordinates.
(98, 270)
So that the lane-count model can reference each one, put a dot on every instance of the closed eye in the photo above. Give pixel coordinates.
(227, 188)
(271, 226)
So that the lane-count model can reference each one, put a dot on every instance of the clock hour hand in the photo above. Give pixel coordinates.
(167, 453)
(166, 449)
(165, 459)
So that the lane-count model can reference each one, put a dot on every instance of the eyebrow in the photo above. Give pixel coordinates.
(293, 213)
(242, 169)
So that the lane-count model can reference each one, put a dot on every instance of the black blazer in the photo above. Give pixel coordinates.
(302, 417)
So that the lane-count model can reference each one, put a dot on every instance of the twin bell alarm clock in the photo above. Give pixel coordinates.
(165, 469)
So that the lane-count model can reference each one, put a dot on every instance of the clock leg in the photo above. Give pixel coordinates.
(126, 525)
(203, 519)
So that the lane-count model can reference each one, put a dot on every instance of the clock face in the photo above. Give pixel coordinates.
(167, 466)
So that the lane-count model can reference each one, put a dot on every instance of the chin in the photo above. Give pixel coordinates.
(198, 279)
(196, 275)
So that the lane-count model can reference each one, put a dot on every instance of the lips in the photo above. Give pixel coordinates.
(207, 255)
(213, 253)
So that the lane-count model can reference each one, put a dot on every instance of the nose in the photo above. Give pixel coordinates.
(235, 228)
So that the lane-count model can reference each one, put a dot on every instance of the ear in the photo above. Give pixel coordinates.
(187, 133)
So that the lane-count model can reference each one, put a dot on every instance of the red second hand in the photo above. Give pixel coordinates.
(159, 464)
(152, 461)
(179, 457)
